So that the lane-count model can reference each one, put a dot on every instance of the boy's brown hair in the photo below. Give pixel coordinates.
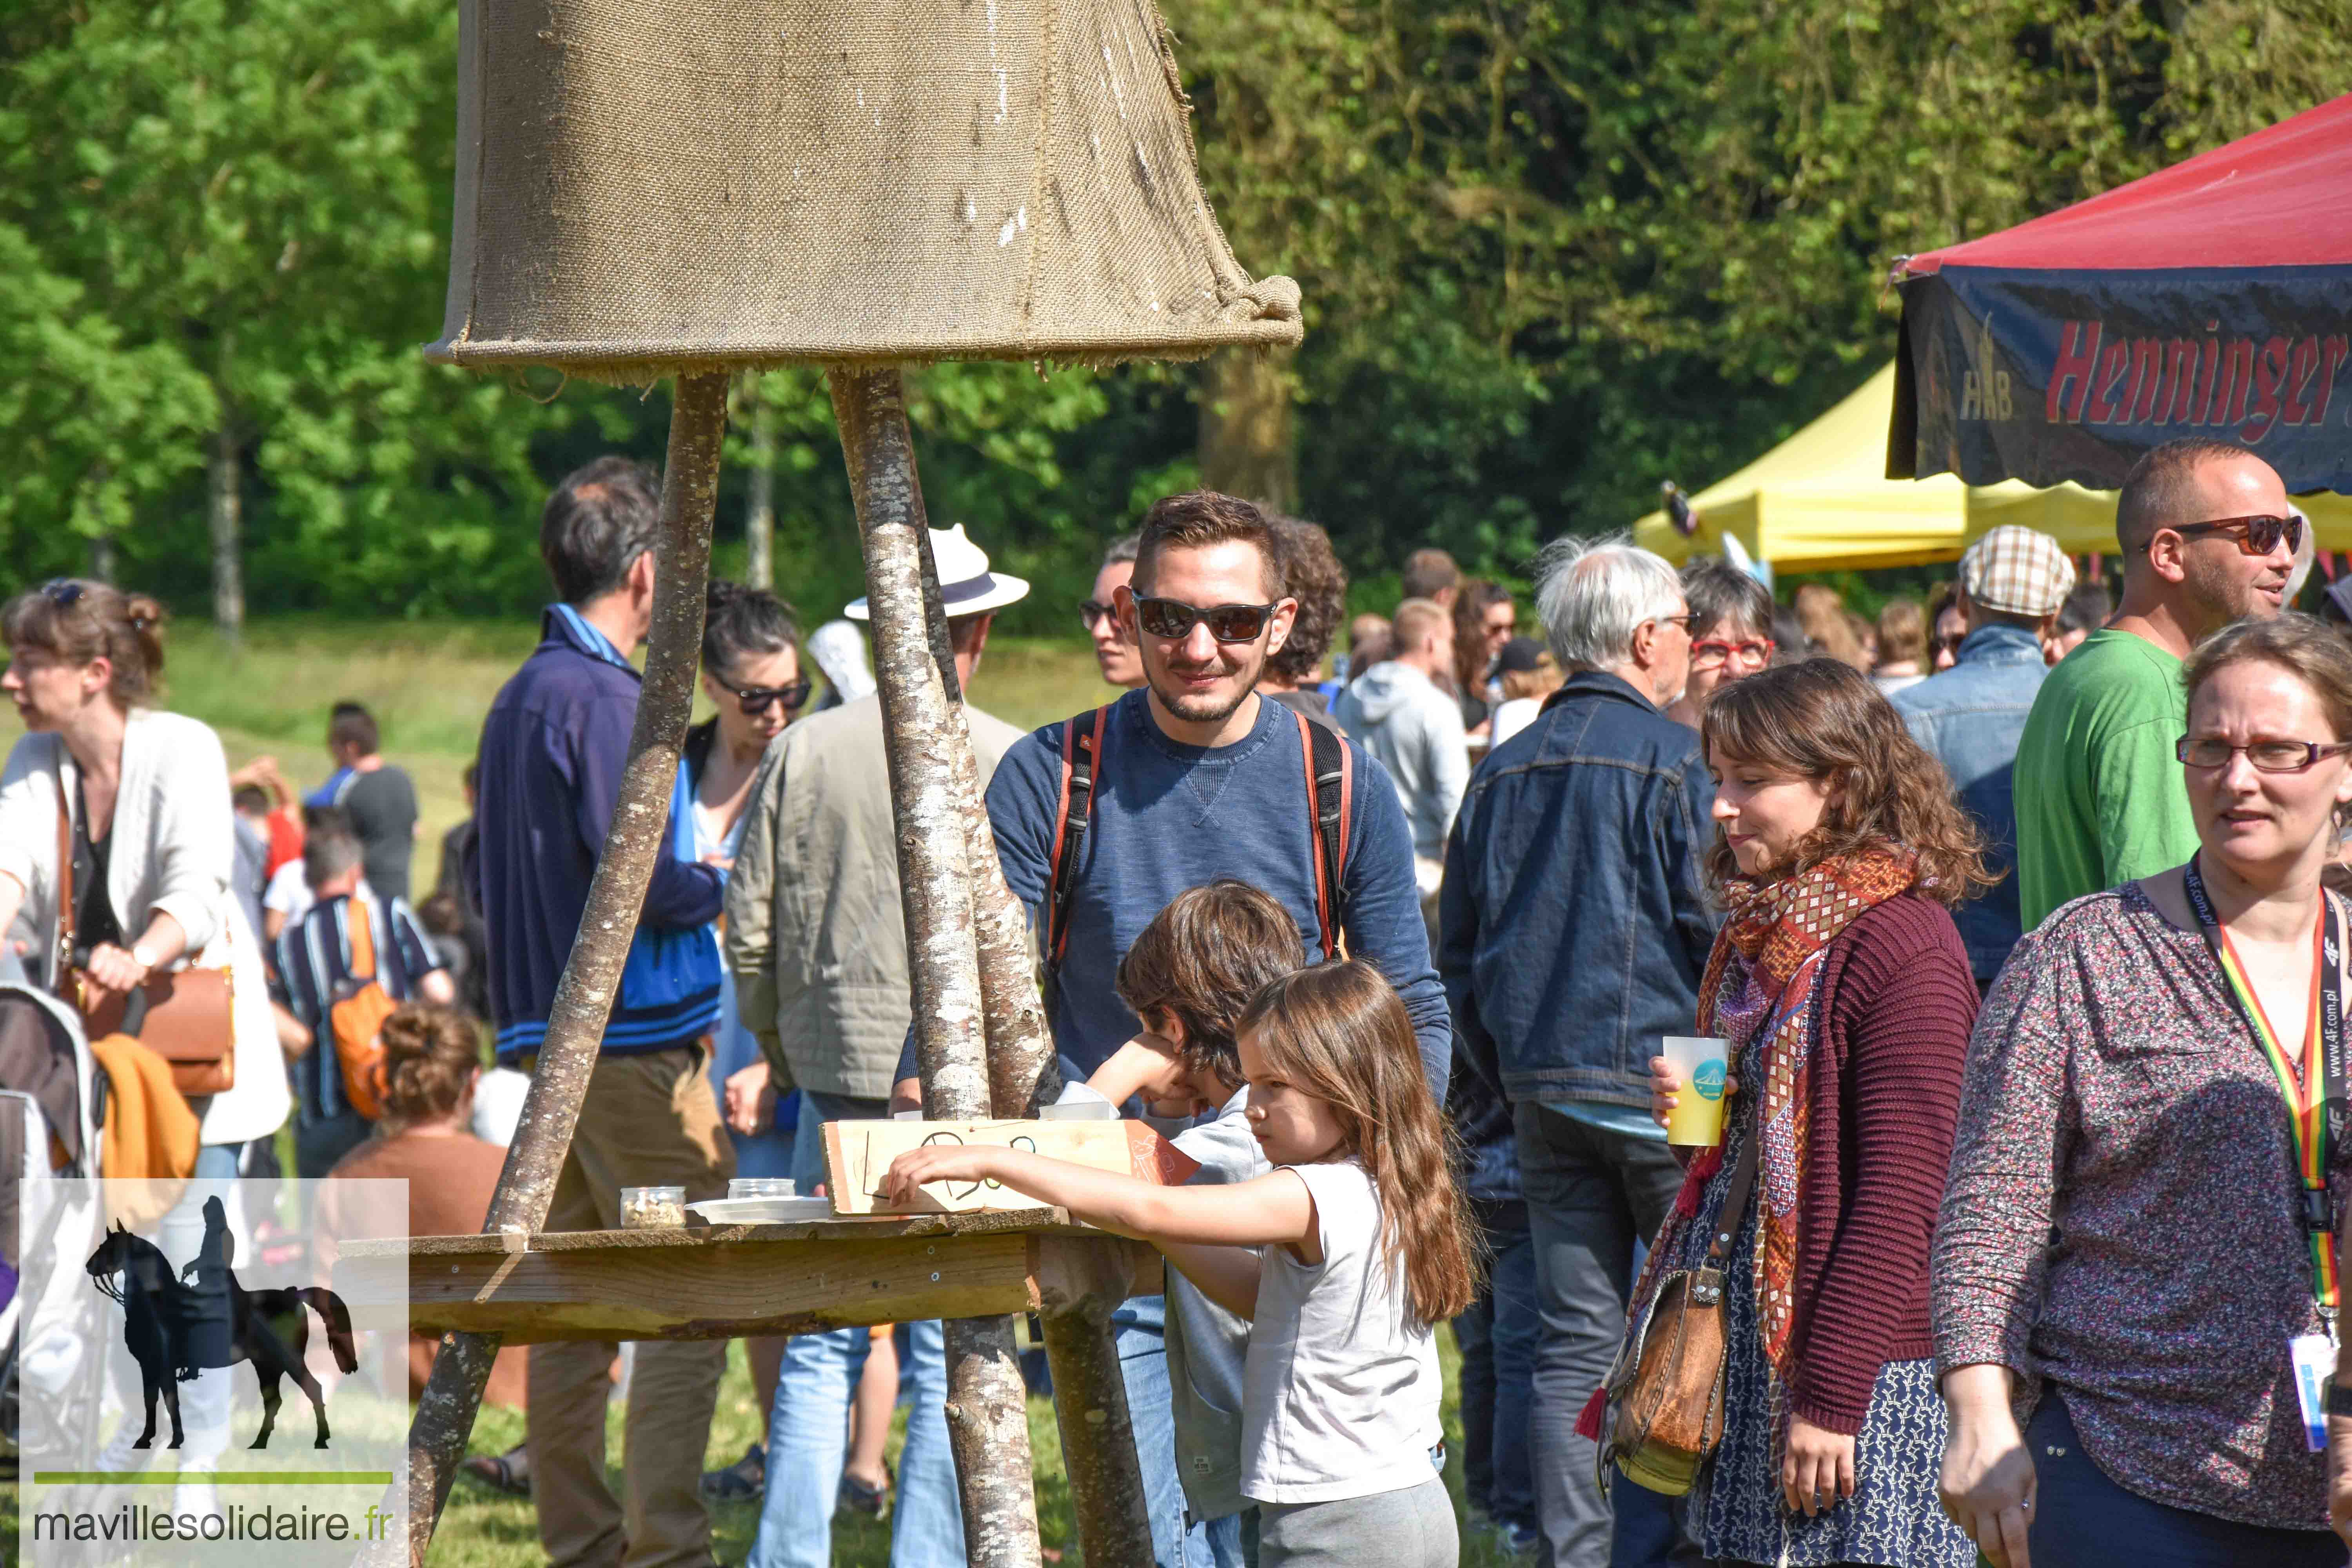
(1203, 958)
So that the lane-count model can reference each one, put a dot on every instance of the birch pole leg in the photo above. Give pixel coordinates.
(1022, 1070)
(988, 1417)
(592, 975)
(1098, 1431)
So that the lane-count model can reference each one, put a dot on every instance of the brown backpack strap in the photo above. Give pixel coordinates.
(1081, 753)
(1330, 778)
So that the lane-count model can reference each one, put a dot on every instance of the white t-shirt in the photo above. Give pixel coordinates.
(288, 892)
(1512, 716)
(1340, 1387)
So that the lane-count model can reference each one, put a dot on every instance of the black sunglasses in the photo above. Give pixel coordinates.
(754, 699)
(1174, 619)
(62, 591)
(2256, 535)
(1093, 610)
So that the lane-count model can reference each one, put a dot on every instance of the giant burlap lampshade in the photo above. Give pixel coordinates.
(644, 185)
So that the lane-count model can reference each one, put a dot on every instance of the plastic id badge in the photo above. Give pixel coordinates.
(2313, 1359)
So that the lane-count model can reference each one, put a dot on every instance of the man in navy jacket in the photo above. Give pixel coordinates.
(1572, 928)
(549, 776)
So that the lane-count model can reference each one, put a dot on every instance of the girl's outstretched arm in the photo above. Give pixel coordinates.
(1272, 1210)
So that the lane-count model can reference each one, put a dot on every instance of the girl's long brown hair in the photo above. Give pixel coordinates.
(1823, 721)
(1339, 1032)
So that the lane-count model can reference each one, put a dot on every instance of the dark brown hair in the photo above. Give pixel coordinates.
(1340, 1033)
(1197, 519)
(430, 1055)
(1204, 958)
(1470, 608)
(78, 621)
(351, 724)
(1311, 574)
(1823, 721)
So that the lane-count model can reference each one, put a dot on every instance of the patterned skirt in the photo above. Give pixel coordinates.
(1893, 1518)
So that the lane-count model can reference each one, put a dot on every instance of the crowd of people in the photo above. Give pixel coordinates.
(2011, 909)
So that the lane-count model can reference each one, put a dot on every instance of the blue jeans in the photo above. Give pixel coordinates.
(808, 1441)
(1141, 1323)
(2083, 1519)
(1498, 1340)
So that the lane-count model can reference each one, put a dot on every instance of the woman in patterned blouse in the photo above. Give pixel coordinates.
(2123, 1259)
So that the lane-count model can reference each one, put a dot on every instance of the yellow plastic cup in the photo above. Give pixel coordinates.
(1696, 1119)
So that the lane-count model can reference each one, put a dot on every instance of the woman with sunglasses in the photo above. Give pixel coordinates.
(751, 673)
(2137, 1250)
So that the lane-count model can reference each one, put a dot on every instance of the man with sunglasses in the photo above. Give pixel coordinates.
(2207, 538)
(1198, 778)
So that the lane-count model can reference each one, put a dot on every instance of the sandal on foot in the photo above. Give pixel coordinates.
(741, 1481)
(857, 1497)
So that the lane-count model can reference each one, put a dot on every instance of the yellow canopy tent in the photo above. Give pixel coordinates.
(1821, 500)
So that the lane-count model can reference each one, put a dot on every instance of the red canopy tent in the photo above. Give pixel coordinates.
(2213, 298)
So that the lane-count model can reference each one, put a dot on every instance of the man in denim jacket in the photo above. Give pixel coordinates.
(1573, 926)
(2013, 581)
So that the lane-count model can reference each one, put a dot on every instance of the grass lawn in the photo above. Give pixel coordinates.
(428, 687)
(430, 684)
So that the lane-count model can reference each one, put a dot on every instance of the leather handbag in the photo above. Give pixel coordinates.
(1664, 1394)
(181, 1014)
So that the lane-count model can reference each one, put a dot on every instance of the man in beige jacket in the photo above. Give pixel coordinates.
(817, 940)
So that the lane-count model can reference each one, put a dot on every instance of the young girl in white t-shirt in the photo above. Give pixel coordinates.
(1364, 1248)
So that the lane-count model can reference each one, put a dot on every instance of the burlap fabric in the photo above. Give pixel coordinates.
(643, 186)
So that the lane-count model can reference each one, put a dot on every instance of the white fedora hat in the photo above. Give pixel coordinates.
(966, 585)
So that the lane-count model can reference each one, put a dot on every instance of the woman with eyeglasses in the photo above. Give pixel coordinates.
(1730, 629)
(2137, 1250)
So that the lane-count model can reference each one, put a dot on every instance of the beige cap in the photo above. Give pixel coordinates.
(2017, 570)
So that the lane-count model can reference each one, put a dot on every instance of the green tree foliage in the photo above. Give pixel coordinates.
(1552, 252)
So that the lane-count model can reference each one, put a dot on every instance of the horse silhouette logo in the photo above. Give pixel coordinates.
(176, 1330)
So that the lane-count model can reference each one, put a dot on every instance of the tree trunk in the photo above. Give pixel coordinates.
(225, 508)
(1098, 1451)
(1022, 1068)
(923, 731)
(760, 507)
(1247, 443)
(592, 975)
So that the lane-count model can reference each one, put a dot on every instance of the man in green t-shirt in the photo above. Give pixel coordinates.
(2207, 538)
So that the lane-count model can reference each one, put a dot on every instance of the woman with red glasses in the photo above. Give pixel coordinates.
(1730, 629)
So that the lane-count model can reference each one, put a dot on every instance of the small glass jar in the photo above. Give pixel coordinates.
(652, 1208)
(762, 1187)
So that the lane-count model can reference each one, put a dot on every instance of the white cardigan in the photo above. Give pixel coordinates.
(174, 845)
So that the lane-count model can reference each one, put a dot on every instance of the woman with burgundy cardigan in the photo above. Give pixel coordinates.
(1845, 994)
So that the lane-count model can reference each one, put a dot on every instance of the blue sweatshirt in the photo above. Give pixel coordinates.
(552, 750)
(1169, 816)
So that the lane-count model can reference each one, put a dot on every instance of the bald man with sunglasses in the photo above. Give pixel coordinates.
(2207, 538)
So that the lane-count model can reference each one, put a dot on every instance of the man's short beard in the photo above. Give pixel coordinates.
(2223, 596)
(1198, 711)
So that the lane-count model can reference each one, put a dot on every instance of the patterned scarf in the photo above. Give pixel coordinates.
(1763, 975)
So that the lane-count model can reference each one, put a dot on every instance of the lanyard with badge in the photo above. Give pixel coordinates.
(2314, 1087)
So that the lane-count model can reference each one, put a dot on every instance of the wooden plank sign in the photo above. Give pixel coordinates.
(857, 1155)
